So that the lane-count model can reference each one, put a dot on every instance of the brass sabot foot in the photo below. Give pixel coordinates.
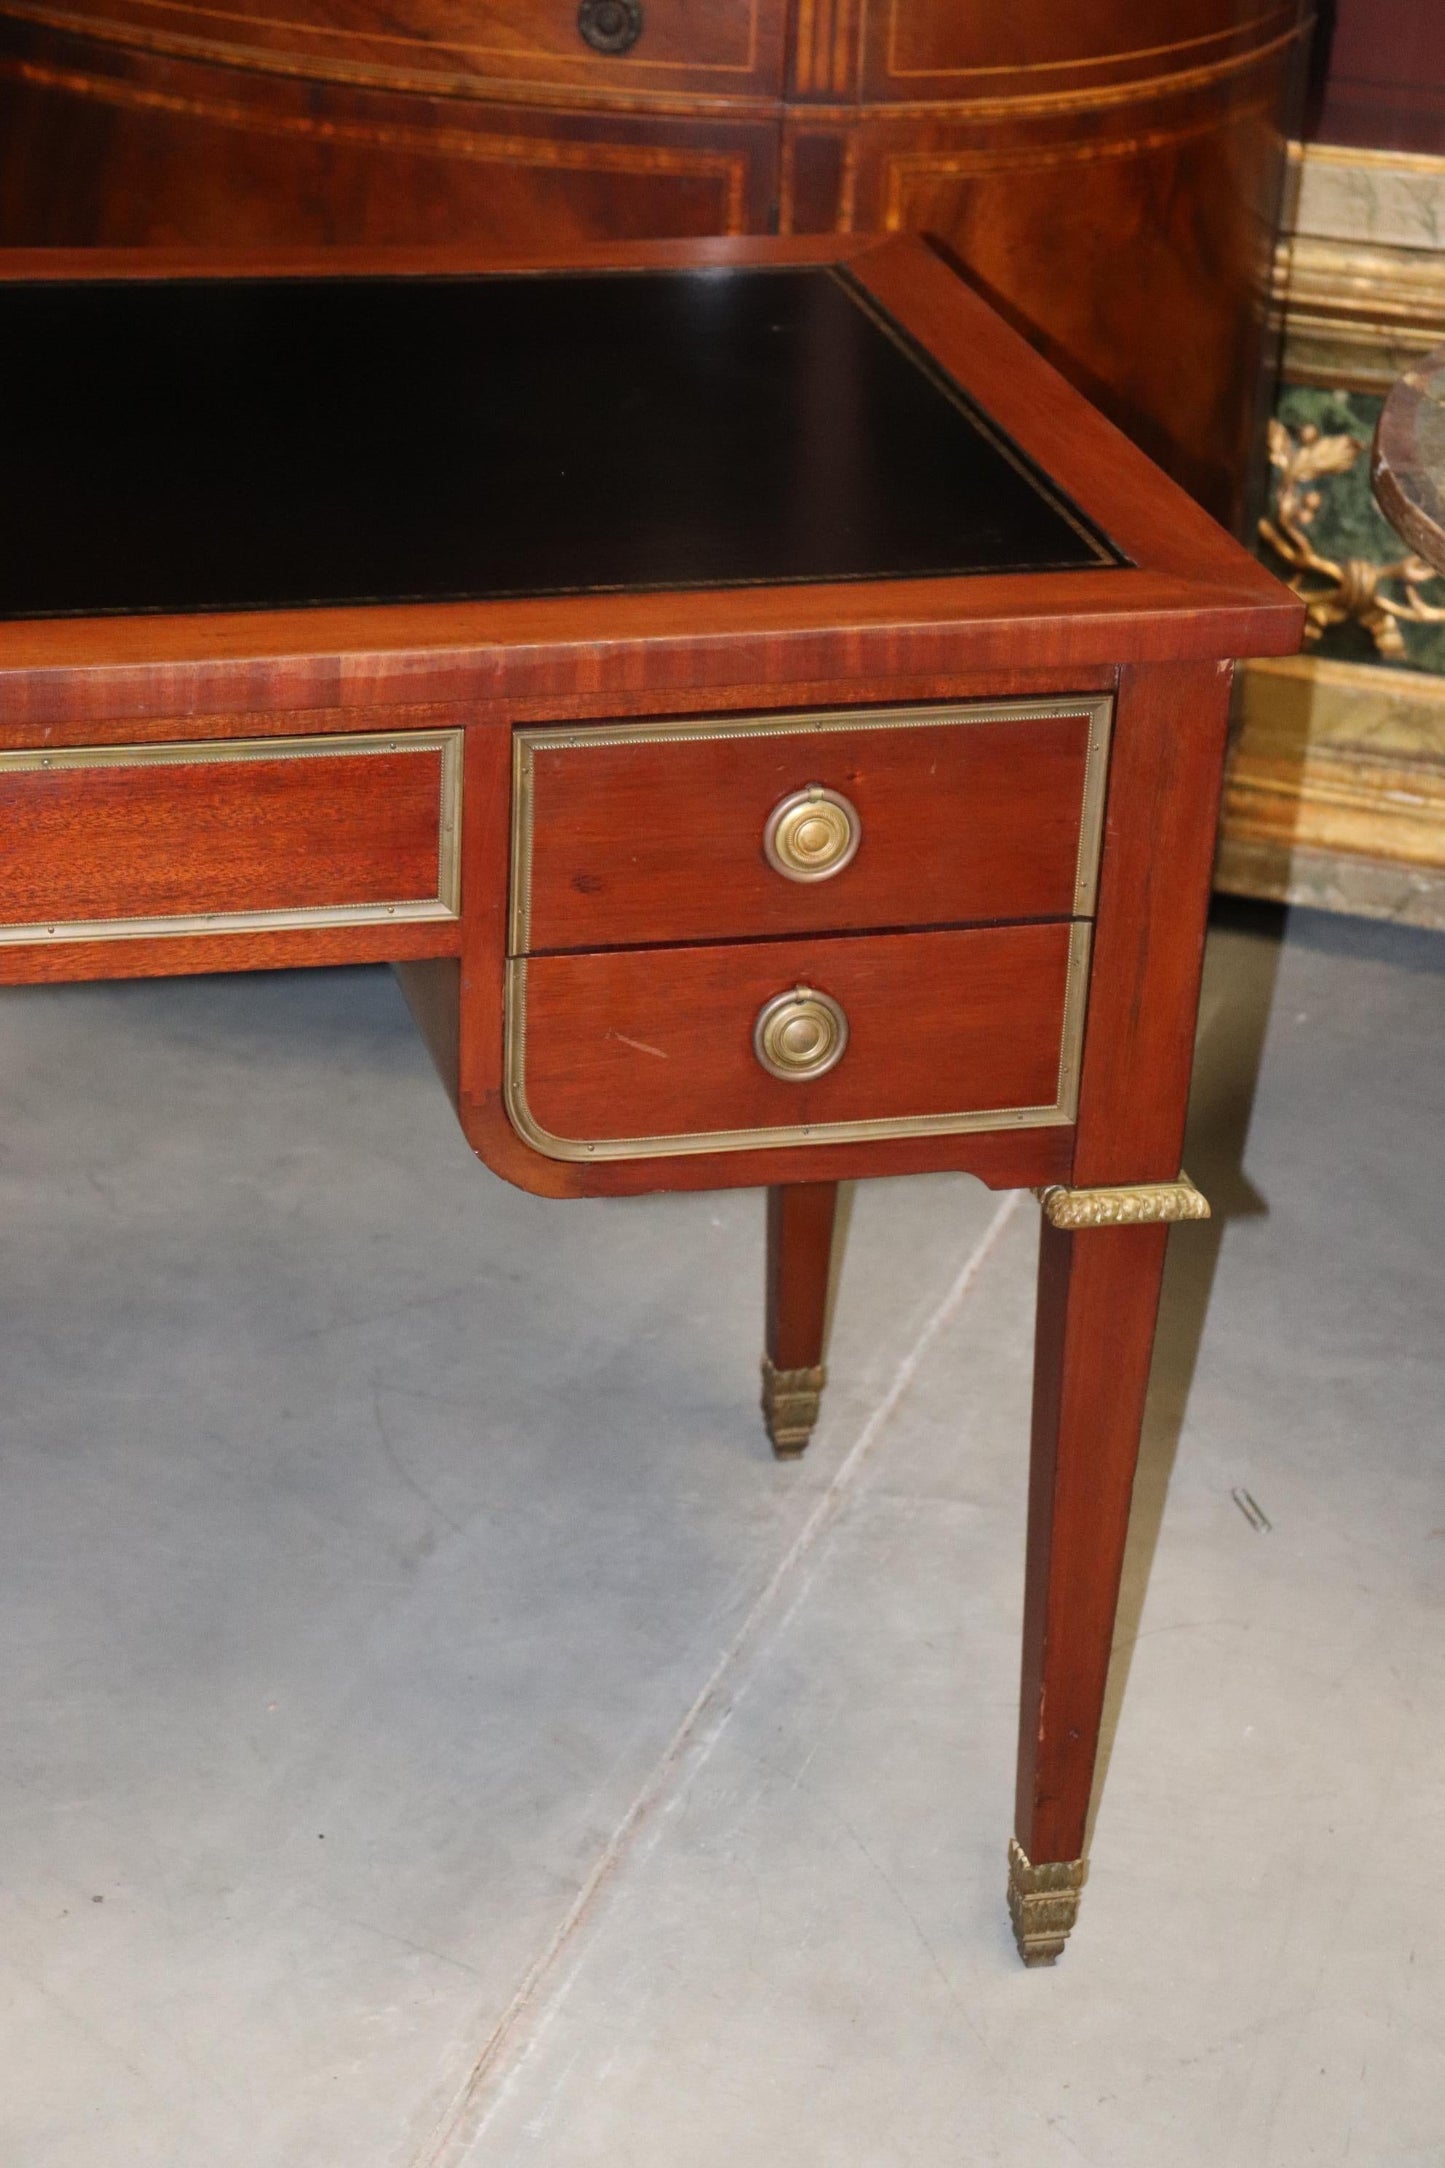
(791, 1400)
(1043, 1903)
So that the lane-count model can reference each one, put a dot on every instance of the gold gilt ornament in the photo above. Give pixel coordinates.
(1333, 592)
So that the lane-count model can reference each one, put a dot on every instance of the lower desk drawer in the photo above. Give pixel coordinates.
(641, 1053)
(118, 842)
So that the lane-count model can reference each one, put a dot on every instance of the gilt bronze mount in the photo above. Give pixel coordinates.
(1043, 1902)
(1135, 1204)
(791, 1400)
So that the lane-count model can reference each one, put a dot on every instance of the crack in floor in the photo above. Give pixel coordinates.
(540, 1993)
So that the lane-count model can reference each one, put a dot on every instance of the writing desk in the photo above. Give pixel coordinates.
(773, 725)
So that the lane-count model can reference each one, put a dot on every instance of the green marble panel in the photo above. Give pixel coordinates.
(1349, 524)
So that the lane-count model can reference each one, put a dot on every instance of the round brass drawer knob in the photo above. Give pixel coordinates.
(811, 834)
(800, 1034)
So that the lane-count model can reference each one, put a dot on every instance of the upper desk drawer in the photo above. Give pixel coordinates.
(125, 841)
(725, 829)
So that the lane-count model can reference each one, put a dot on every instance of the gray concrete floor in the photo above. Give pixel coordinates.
(437, 1736)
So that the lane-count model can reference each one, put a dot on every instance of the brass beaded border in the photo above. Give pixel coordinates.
(963, 1123)
(217, 752)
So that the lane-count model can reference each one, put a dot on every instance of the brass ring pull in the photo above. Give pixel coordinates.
(800, 1034)
(811, 834)
(610, 26)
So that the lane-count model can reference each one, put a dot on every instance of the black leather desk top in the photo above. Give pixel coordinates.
(247, 444)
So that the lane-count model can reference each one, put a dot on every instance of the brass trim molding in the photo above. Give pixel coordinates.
(527, 744)
(964, 1123)
(1091, 808)
(445, 905)
(1138, 1204)
(1043, 1903)
(791, 1400)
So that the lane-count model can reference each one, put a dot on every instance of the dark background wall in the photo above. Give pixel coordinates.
(1380, 78)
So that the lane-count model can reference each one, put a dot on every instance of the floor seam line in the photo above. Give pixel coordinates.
(456, 2126)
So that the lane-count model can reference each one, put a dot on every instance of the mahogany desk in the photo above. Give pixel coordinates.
(771, 722)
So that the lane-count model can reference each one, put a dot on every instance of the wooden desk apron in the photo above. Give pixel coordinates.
(773, 725)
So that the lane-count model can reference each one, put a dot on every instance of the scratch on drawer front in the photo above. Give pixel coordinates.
(641, 1045)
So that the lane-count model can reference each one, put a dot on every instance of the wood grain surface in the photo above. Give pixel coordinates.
(640, 841)
(1098, 1300)
(1193, 593)
(659, 846)
(463, 1017)
(658, 1042)
(1162, 812)
(154, 838)
(1110, 173)
(801, 1221)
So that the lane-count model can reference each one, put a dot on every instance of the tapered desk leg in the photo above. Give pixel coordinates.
(1098, 1299)
(1102, 1258)
(800, 1254)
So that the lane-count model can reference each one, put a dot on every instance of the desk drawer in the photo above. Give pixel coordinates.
(661, 832)
(637, 1053)
(729, 45)
(118, 842)
(611, 51)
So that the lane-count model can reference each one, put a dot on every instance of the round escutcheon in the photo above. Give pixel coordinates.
(800, 1034)
(610, 26)
(811, 834)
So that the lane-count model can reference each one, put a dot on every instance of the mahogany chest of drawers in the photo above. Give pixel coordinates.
(772, 724)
